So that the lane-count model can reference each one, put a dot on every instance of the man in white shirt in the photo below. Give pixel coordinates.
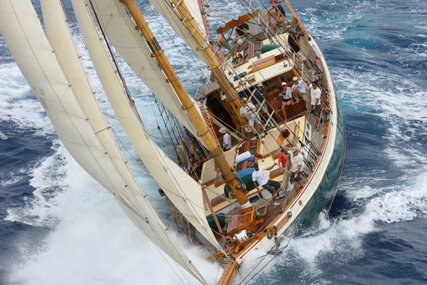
(296, 160)
(248, 111)
(298, 89)
(226, 139)
(315, 93)
(258, 178)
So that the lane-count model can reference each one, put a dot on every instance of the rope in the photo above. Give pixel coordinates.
(277, 252)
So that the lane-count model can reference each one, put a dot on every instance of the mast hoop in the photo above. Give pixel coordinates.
(177, 5)
(186, 108)
(202, 135)
(107, 128)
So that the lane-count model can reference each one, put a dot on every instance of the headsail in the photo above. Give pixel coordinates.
(181, 189)
(34, 55)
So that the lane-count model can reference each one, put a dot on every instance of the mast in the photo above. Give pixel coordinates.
(213, 148)
(184, 15)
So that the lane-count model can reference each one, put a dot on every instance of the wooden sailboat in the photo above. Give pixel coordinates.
(215, 193)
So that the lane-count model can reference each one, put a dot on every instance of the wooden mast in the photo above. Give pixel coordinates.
(213, 148)
(211, 60)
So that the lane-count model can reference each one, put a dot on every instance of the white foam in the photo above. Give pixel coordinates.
(343, 237)
(92, 241)
(403, 204)
(19, 105)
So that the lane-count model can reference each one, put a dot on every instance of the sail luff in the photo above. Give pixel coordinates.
(32, 52)
(181, 189)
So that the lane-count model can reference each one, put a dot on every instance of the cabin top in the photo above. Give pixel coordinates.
(257, 62)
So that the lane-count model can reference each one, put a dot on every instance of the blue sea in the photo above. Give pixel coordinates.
(58, 226)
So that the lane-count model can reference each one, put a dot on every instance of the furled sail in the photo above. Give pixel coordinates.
(127, 41)
(34, 55)
(181, 189)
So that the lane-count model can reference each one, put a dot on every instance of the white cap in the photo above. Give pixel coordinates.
(222, 130)
(260, 85)
(283, 83)
(295, 78)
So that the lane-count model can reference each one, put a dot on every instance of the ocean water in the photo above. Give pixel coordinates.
(58, 226)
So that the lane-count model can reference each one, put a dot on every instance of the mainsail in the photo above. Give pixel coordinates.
(38, 62)
(184, 192)
(122, 35)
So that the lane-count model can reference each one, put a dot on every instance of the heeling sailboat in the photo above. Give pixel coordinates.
(252, 222)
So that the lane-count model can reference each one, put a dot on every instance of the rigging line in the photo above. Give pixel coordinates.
(214, 117)
(235, 96)
(163, 111)
(137, 161)
(140, 172)
(279, 250)
(180, 47)
(113, 58)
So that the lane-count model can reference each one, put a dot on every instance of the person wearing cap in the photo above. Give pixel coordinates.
(293, 40)
(226, 139)
(261, 96)
(286, 95)
(275, 12)
(248, 111)
(296, 165)
(260, 93)
(298, 89)
(259, 179)
(315, 93)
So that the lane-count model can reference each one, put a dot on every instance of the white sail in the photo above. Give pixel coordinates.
(182, 190)
(128, 42)
(34, 55)
(62, 42)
